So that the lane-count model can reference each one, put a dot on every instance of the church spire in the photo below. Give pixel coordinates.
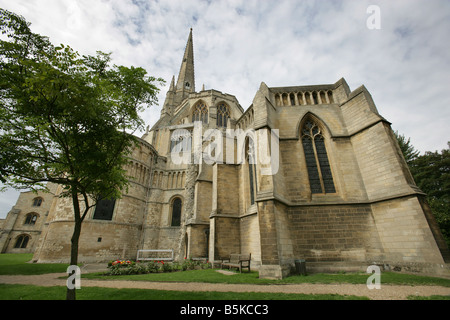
(172, 84)
(185, 83)
(186, 78)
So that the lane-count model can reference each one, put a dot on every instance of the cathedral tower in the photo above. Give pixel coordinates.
(342, 197)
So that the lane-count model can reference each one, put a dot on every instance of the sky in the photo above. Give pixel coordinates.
(399, 50)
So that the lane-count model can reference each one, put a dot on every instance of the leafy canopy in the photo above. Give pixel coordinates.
(431, 172)
(66, 118)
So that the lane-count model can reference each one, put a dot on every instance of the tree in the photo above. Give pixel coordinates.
(431, 171)
(408, 150)
(66, 119)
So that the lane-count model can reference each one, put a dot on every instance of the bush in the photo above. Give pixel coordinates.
(190, 264)
(127, 267)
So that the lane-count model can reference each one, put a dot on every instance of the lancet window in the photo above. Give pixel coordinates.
(251, 160)
(176, 212)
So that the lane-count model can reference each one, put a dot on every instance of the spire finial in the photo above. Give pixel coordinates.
(172, 84)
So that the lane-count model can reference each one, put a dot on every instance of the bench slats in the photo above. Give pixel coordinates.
(239, 261)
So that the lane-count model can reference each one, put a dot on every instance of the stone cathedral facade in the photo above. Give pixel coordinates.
(341, 196)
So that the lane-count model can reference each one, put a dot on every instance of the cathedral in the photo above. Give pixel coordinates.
(335, 192)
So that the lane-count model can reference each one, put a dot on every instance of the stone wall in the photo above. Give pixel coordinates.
(334, 233)
(404, 231)
(99, 241)
(15, 224)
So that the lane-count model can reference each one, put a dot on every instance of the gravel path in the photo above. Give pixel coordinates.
(387, 292)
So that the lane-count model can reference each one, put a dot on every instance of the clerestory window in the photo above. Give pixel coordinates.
(223, 114)
(200, 113)
(318, 166)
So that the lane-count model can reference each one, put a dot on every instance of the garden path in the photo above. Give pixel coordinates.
(387, 292)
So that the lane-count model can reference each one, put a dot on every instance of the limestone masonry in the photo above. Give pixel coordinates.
(342, 197)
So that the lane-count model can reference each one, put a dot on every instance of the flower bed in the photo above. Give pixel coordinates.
(126, 267)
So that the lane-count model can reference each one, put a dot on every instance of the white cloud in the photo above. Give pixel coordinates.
(238, 44)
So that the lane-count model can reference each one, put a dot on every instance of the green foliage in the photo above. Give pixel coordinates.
(66, 118)
(431, 172)
(408, 150)
(130, 267)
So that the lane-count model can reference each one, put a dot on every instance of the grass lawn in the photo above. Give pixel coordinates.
(25, 292)
(11, 264)
(212, 276)
(18, 264)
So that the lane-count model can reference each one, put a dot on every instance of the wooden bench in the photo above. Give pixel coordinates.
(155, 255)
(239, 261)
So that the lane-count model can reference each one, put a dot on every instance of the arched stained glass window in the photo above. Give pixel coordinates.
(200, 113)
(223, 114)
(318, 166)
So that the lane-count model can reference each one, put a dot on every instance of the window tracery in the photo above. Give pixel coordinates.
(200, 113)
(223, 114)
(318, 166)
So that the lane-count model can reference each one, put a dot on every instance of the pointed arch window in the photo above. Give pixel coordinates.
(200, 113)
(223, 114)
(319, 171)
(22, 241)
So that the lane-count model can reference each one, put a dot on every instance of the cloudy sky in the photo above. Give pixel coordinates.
(405, 64)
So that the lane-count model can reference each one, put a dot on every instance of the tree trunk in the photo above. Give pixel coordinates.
(71, 293)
